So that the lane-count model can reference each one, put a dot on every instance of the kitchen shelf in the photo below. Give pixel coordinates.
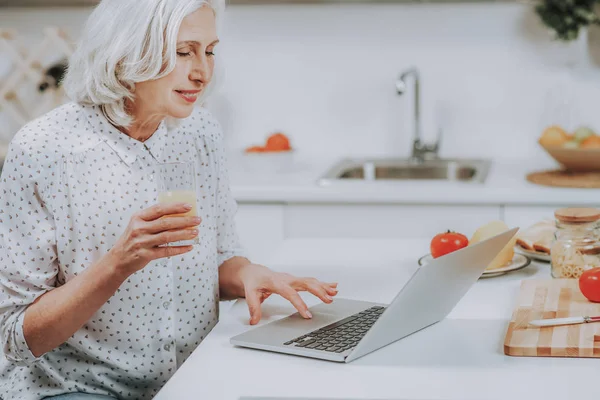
(74, 3)
(47, 3)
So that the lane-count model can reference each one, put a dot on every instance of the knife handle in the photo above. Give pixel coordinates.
(559, 321)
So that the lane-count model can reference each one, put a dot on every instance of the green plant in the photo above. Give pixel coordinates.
(567, 17)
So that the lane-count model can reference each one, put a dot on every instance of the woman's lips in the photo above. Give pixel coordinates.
(189, 95)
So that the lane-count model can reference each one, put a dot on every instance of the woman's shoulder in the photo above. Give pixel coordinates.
(54, 133)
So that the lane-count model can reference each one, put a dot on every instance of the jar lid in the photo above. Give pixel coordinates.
(577, 215)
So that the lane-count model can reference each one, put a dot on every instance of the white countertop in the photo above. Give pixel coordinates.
(295, 180)
(459, 358)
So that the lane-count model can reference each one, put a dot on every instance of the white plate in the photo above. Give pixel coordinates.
(536, 255)
(519, 261)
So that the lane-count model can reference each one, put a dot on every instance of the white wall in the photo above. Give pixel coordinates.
(325, 75)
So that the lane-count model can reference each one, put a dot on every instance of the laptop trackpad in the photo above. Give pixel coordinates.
(295, 325)
(325, 314)
(319, 319)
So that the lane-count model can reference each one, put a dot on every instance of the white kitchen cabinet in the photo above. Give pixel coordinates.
(525, 216)
(383, 221)
(263, 227)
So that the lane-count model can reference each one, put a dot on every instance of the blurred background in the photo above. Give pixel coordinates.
(494, 77)
(492, 74)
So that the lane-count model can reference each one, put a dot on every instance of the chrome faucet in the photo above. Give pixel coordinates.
(420, 150)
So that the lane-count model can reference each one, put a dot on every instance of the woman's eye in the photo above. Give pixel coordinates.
(210, 53)
(182, 54)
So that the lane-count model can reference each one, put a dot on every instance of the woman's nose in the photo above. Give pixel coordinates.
(201, 70)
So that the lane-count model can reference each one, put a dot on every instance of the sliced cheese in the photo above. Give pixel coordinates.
(492, 229)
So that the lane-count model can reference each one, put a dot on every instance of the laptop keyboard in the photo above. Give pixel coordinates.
(341, 335)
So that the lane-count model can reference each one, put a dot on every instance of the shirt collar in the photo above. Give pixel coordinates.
(126, 147)
(155, 144)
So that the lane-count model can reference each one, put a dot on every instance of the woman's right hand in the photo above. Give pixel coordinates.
(147, 230)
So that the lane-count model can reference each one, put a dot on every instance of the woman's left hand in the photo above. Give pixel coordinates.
(260, 282)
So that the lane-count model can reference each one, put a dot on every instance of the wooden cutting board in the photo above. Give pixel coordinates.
(556, 298)
(567, 179)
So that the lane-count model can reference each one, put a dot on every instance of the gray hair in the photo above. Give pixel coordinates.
(125, 42)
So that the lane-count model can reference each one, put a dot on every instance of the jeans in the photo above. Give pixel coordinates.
(80, 396)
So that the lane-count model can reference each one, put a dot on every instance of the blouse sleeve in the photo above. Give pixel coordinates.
(28, 257)
(228, 242)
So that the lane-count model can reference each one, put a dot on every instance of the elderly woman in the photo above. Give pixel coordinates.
(94, 303)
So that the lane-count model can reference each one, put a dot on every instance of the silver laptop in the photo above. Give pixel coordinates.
(348, 329)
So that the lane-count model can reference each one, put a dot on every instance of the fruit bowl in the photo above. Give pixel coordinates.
(576, 160)
(577, 152)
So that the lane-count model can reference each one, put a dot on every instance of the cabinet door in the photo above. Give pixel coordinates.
(525, 216)
(260, 227)
(380, 221)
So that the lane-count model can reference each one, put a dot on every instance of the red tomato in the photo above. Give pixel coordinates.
(589, 284)
(447, 242)
(278, 142)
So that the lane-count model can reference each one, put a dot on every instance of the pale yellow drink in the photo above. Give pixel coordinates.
(176, 183)
(180, 196)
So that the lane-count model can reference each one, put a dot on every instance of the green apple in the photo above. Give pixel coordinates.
(582, 133)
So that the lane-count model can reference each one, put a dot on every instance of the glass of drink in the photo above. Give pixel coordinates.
(177, 184)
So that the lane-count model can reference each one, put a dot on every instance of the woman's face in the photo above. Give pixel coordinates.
(174, 95)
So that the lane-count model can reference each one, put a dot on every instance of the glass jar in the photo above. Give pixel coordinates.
(576, 246)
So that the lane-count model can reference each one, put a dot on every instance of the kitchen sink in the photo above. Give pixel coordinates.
(423, 163)
(462, 170)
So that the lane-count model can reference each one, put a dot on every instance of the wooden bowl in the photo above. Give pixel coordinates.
(578, 160)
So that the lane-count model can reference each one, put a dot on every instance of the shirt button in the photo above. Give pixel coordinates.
(166, 305)
(167, 347)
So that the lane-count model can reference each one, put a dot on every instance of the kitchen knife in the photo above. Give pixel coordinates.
(564, 321)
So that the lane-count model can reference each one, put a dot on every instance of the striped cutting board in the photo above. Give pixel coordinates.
(556, 298)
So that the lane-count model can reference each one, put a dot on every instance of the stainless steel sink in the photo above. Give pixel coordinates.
(422, 165)
(463, 170)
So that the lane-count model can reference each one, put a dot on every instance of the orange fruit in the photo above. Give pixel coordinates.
(553, 136)
(255, 149)
(278, 142)
(593, 142)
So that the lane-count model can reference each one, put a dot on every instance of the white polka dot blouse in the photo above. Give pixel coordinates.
(70, 184)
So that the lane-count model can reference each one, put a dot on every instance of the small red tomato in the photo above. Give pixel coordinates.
(278, 142)
(589, 284)
(447, 242)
